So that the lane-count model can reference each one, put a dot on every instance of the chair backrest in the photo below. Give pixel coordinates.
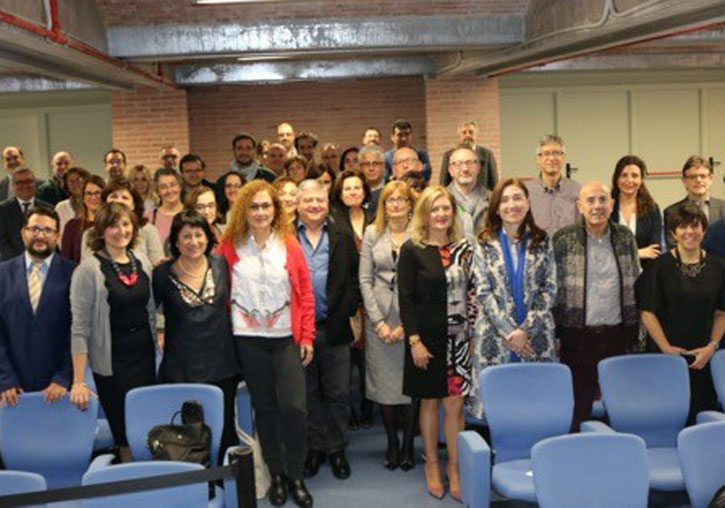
(717, 367)
(196, 494)
(21, 482)
(702, 457)
(154, 405)
(54, 440)
(602, 470)
(647, 395)
(525, 403)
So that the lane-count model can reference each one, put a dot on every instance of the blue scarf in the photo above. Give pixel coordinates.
(515, 277)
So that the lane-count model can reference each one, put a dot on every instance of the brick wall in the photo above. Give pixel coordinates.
(336, 111)
(449, 101)
(146, 120)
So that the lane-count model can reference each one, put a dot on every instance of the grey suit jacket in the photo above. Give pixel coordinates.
(716, 210)
(378, 277)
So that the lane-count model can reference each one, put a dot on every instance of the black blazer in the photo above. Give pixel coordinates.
(11, 222)
(649, 227)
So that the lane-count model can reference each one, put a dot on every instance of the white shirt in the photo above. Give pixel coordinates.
(632, 224)
(261, 290)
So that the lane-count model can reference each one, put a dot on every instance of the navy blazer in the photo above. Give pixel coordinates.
(35, 348)
(649, 227)
(11, 222)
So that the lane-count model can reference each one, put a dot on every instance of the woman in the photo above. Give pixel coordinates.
(228, 187)
(168, 186)
(193, 288)
(273, 321)
(113, 315)
(635, 208)
(681, 298)
(288, 196)
(416, 182)
(330, 155)
(348, 159)
(70, 246)
(434, 284)
(514, 264)
(322, 174)
(295, 167)
(67, 209)
(140, 178)
(384, 346)
(120, 190)
(203, 200)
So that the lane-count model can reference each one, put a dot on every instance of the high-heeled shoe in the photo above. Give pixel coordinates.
(433, 481)
(407, 458)
(454, 483)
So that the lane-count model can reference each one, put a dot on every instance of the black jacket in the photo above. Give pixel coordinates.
(11, 222)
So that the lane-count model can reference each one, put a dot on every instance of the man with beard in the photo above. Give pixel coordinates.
(245, 161)
(35, 313)
(467, 134)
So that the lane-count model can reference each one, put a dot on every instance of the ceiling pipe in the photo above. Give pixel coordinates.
(56, 35)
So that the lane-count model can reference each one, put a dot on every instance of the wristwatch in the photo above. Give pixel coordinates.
(412, 341)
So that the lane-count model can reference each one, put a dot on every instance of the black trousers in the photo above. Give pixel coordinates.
(328, 395)
(276, 381)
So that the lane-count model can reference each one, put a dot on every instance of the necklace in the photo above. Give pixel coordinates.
(127, 280)
(691, 270)
(189, 272)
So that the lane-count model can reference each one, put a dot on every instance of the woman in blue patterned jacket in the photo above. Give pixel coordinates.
(515, 268)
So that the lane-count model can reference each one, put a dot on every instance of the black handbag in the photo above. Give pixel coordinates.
(188, 442)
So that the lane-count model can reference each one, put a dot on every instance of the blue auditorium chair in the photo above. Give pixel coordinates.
(21, 482)
(524, 403)
(648, 395)
(592, 470)
(54, 440)
(183, 496)
(702, 455)
(717, 368)
(244, 409)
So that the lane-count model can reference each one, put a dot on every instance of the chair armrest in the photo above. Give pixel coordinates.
(710, 416)
(595, 426)
(474, 464)
(100, 462)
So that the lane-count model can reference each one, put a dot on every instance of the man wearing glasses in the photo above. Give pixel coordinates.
(35, 313)
(371, 162)
(471, 195)
(553, 197)
(14, 210)
(697, 178)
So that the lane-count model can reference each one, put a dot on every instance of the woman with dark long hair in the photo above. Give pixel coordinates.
(73, 232)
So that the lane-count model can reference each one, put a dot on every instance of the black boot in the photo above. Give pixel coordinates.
(299, 493)
(278, 490)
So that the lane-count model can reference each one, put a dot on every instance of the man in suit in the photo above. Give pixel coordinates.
(401, 134)
(467, 133)
(12, 158)
(14, 210)
(333, 262)
(697, 178)
(35, 313)
(52, 191)
(470, 194)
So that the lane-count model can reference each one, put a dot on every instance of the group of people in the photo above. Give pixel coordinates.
(288, 274)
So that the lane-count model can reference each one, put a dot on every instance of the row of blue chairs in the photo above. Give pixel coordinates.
(645, 445)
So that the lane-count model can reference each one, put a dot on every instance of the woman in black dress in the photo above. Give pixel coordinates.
(193, 288)
(682, 301)
(113, 318)
(435, 286)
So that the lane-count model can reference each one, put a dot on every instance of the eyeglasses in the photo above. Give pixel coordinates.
(260, 206)
(367, 164)
(232, 185)
(697, 176)
(409, 160)
(551, 153)
(201, 207)
(400, 200)
(37, 230)
(470, 164)
(24, 182)
(92, 194)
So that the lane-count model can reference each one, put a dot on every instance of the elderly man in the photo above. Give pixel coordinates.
(595, 309)
(470, 194)
(286, 137)
(52, 191)
(169, 157)
(12, 159)
(13, 212)
(401, 134)
(371, 162)
(245, 161)
(553, 197)
(115, 163)
(467, 134)
(406, 160)
(333, 261)
(35, 313)
(371, 136)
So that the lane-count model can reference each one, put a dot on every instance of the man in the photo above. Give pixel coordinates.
(471, 195)
(306, 144)
(52, 191)
(467, 134)
(406, 160)
(275, 157)
(595, 310)
(245, 161)
(714, 241)
(169, 157)
(371, 136)
(371, 162)
(697, 178)
(401, 135)
(286, 137)
(333, 261)
(12, 158)
(192, 173)
(115, 163)
(552, 196)
(14, 210)
(35, 314)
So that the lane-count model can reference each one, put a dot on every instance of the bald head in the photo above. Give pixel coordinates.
(595, 205)
(405, 160)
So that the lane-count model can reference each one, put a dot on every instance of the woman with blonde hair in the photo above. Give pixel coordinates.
(435, 286)
(384, 337)
(273, 322)
(141, 179)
